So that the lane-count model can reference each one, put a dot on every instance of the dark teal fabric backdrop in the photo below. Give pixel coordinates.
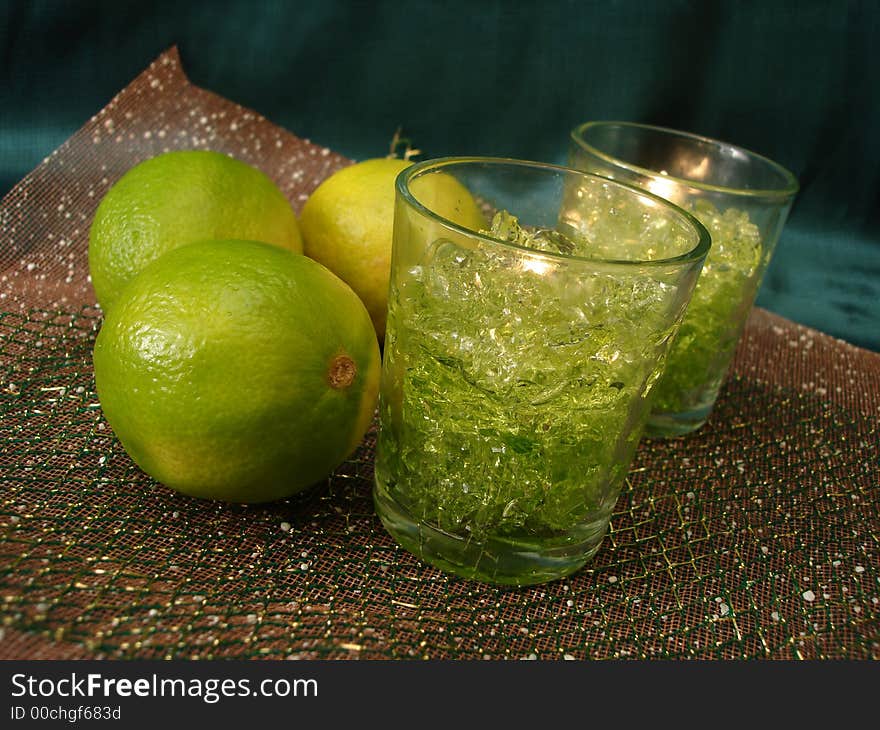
(795, 80)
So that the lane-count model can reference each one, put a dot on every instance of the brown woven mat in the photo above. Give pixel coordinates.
(755, 537)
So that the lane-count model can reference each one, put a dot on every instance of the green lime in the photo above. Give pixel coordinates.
(348, 221)
(238, 371)
(178, 198)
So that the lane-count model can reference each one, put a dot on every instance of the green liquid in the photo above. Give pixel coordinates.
(710, 330)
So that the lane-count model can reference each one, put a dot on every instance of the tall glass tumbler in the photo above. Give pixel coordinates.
(743, 199)
(530, 311)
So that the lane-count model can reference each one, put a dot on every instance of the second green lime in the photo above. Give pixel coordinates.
(178, 198)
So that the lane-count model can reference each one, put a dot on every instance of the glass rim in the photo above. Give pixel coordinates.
(788, 189)
(696, 253)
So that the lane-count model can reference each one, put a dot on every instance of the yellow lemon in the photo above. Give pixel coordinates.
(348, 221)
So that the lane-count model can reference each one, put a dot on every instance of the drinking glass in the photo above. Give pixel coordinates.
(743, 199)
(526, 327)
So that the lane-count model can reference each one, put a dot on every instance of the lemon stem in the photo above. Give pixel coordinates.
(397, 141)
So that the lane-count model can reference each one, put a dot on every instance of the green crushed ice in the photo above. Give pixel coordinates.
(705, 343)
(514, 393)
(506, 227)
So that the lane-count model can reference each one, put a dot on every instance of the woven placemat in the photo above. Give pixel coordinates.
(756, 537)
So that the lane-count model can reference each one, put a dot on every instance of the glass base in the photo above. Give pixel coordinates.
(496, 560)
(670, 425)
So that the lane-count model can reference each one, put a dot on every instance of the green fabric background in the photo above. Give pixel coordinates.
(797, 81)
